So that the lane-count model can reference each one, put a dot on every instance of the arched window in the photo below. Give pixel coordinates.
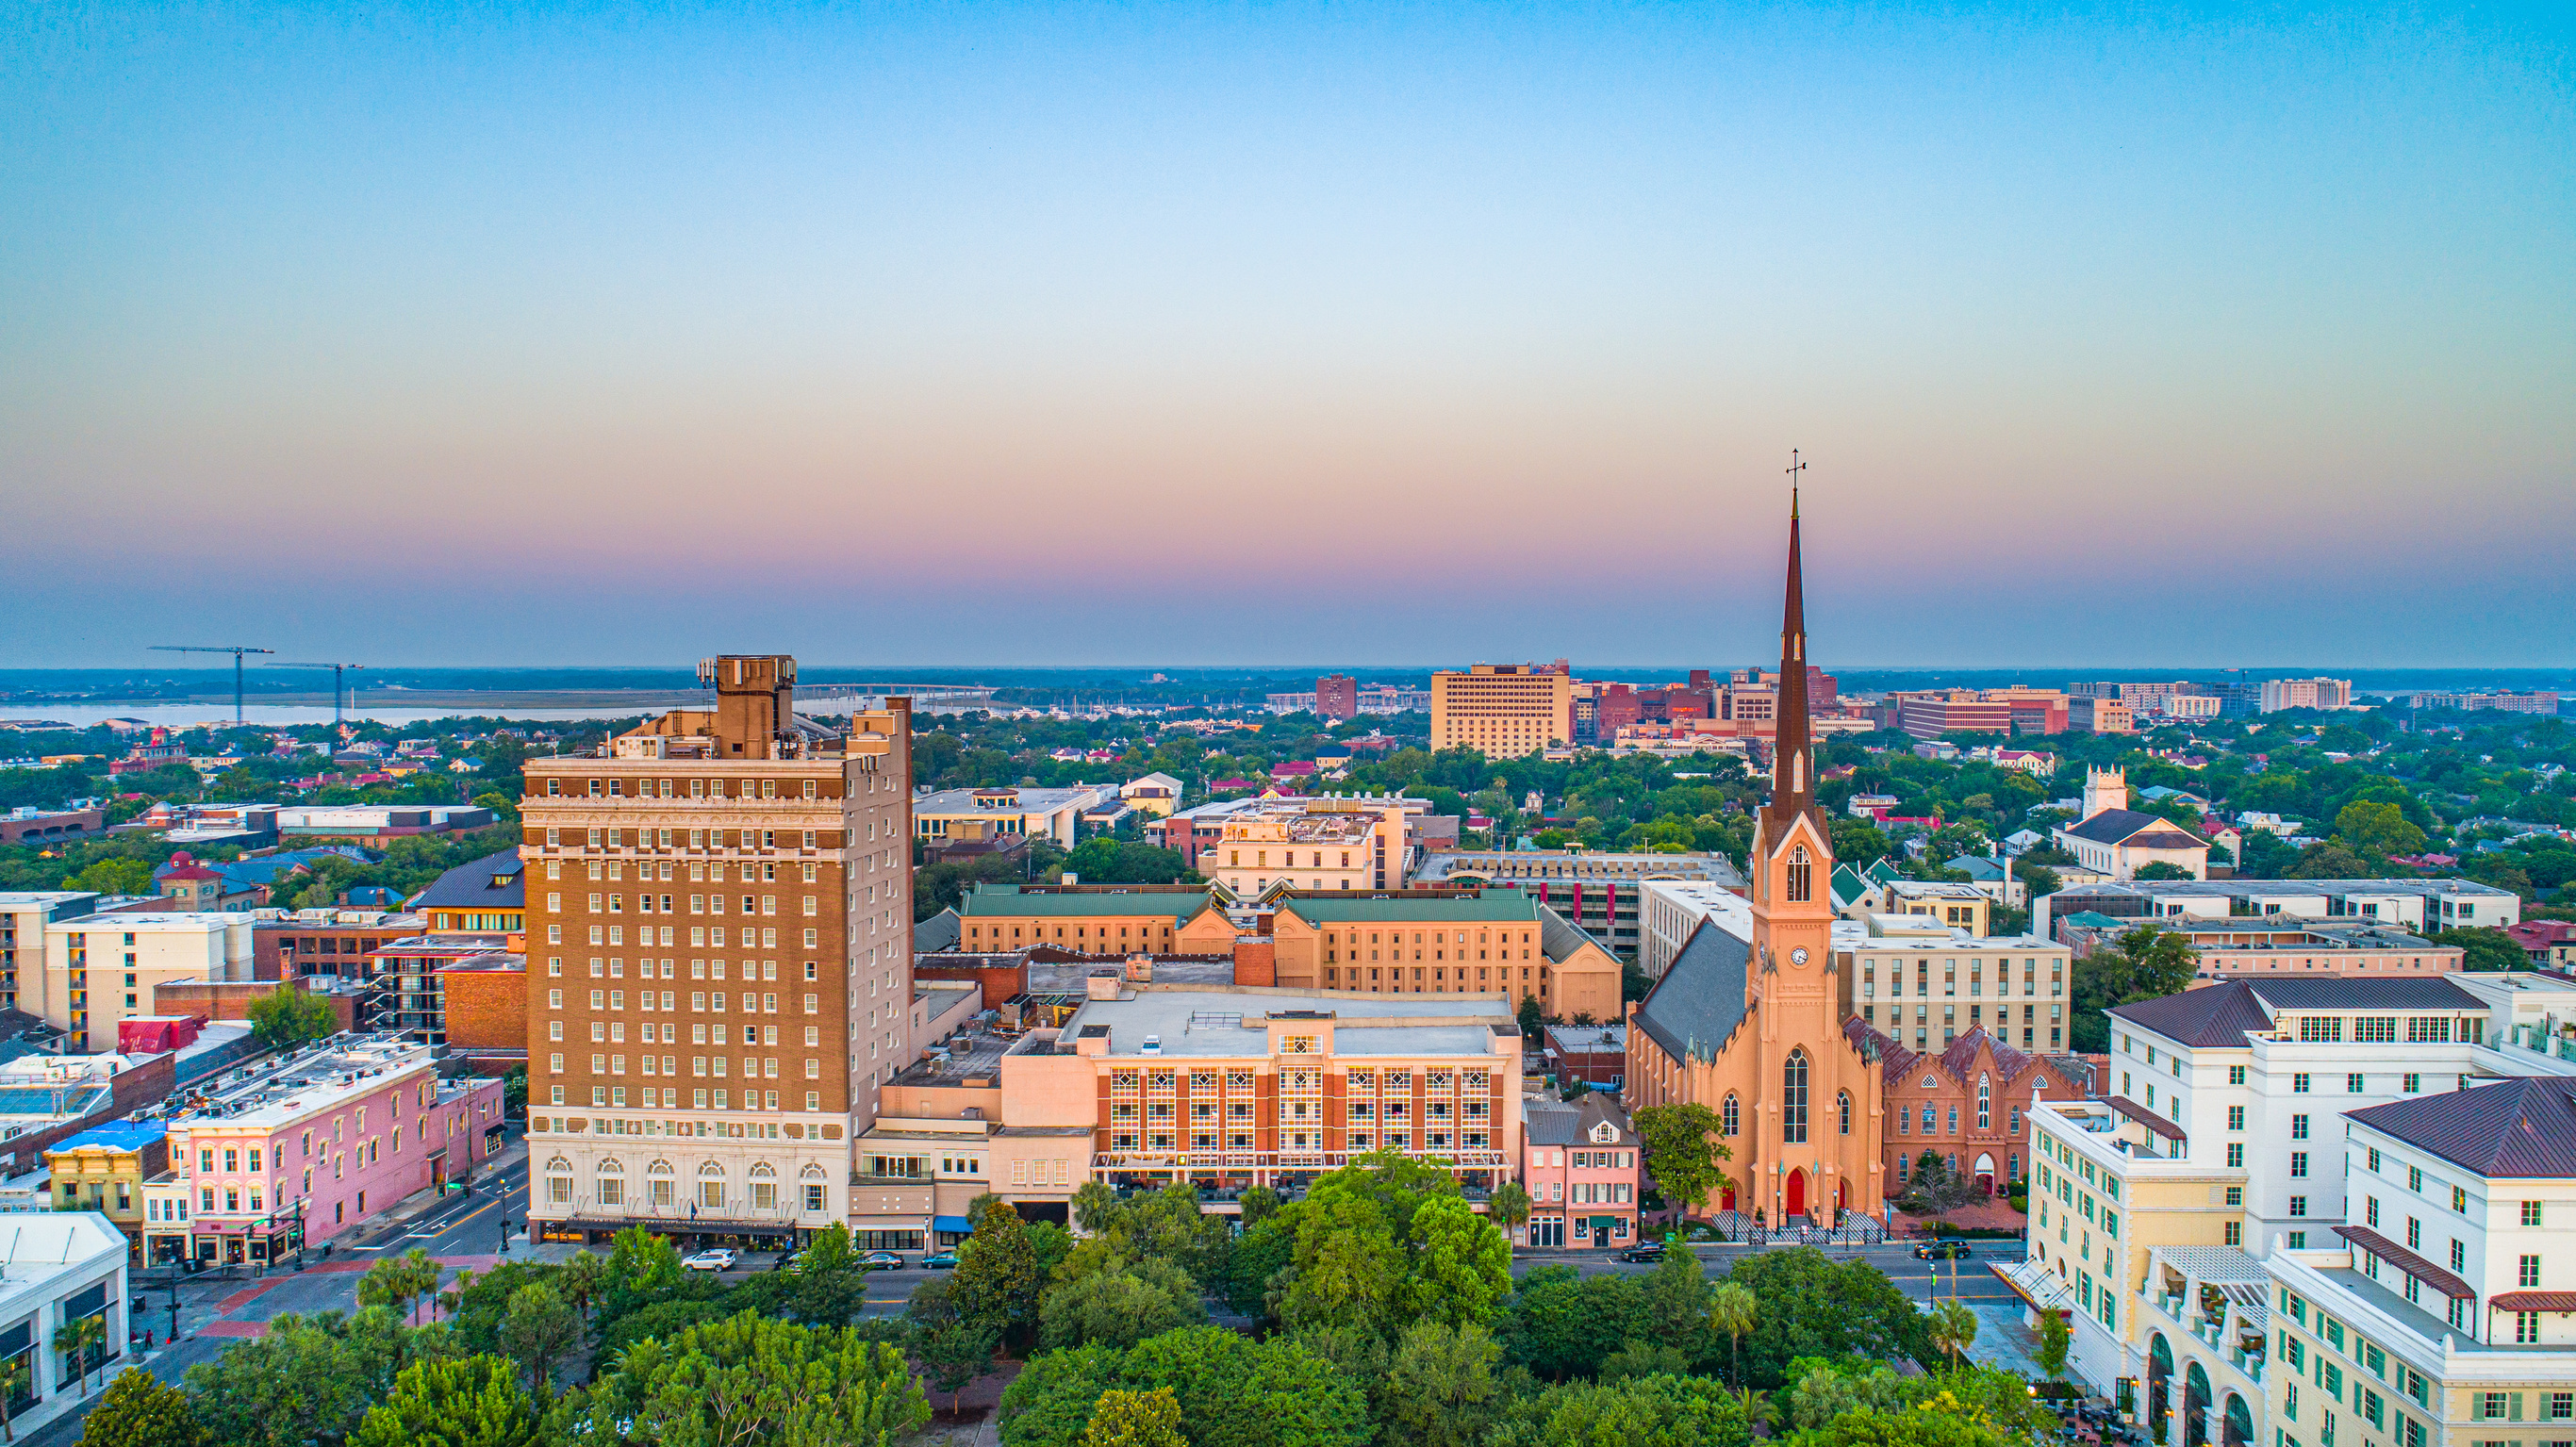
(1726, 1116)
(1793, 1099)
(612, 1182)
(1842, 1101)
(764, 1187)
(1985, 1104)
(711, 1187)
(1801, 875)
(559, 1181)
(660, 1184)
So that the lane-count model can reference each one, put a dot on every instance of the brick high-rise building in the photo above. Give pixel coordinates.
(1337, 696)
(719, 962)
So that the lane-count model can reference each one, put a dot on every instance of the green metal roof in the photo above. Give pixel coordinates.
(985, 901)
(1508, 905)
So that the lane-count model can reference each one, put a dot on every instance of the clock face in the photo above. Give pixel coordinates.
(1798, 956)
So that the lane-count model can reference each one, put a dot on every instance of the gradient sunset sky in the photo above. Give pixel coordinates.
(1021, 334)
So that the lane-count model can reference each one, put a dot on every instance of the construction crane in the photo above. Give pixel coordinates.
(337, 671)
(235, 651)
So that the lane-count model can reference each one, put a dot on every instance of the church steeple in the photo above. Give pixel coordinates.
(1793, 763)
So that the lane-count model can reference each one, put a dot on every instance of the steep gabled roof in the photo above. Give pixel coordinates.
(2123, 826)
(1703, 995)
(474, 886)
(2519, 1128)
(1894, 1060)
(1559, 938)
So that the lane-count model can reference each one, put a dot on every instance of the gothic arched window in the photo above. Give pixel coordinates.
(1793, 1099)
(1726, 1116)
(1843, 1101)
(1985, 1104)
(1801, 876)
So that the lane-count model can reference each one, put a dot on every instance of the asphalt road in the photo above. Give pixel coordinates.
(1975, 1282)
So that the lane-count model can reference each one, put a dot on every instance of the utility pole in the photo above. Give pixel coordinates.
(235, 650)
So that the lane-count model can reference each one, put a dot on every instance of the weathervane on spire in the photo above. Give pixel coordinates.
(1795, 467)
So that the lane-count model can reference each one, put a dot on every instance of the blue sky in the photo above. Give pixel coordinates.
(1020, 334)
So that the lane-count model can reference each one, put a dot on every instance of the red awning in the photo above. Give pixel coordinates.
(2407, 1261)
(2535, 1301)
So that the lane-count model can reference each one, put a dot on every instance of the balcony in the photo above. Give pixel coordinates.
(2250, 1363)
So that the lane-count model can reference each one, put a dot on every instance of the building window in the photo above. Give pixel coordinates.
(1727, 1117)
(1793, 1099)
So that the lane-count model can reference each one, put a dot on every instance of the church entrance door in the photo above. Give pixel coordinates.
(1797, 1193)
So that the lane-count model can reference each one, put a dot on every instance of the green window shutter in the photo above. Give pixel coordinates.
(2515, 1409)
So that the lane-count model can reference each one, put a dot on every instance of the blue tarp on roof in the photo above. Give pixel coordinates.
(119, 1135)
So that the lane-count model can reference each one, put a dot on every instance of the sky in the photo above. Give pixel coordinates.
(1018, 334)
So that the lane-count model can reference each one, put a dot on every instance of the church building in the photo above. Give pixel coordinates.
(1754, 1029)
(2113, 839)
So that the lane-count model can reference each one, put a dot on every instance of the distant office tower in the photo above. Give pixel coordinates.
(719, 911)
(1506, 709)
(2281, 693)
(1336, 697)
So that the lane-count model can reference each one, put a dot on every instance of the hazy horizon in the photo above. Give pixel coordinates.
(1079, 334)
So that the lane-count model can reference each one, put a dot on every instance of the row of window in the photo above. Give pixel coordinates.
(702, 1003)
(668, 788)
(664, 1098)
(668, 936)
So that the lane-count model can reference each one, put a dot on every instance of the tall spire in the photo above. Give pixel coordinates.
(1793, 764)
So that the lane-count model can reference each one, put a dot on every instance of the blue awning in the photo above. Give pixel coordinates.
(958, 1224)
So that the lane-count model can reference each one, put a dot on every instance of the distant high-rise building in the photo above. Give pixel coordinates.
(1505, 709)
(1337, 697)
(719, 949)
(2281, 693)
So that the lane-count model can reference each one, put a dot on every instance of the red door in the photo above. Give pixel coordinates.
(1797, 1193)
(1726, 1201)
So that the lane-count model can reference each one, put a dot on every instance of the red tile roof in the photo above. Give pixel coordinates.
(2363, 1238)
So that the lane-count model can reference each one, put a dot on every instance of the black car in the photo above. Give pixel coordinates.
(1941, 1250)
(1644, 1251)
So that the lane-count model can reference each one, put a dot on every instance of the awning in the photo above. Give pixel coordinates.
(2535, 1301)
(2407, 1261)
(957, 1224)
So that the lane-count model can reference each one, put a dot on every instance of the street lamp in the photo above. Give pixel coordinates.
(174, 1313)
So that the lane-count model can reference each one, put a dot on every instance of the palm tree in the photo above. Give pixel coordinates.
(579, 1282)
(1757, 1406)
(73, 1339)
(1510, 1207)
(1732, 1310)
(13, 1380)
(1954, 1326)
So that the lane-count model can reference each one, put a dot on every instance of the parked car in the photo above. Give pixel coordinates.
(1644, 1251)
(939, 1261)
(714, 1258)
(1941, 1250)
(881, 1261)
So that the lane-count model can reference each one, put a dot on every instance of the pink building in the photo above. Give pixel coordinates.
(314, 1146)
(1582, 1164)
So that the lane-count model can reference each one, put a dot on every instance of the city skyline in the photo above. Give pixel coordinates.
(1038, 336)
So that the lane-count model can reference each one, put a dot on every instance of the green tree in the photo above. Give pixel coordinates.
(1348, 1269)
(140, 1410)
(1954, 1327)
(1811, 1306)
(1667, 1411)
(997, 1271)
(75, 1341)
(581, 1282)
(1682, 1151)
(1237, 1393)
(540, 1331)
(1441, 1389)
(751, 1379)
(2330, 860)
(1532, 1021)
(830, 1285)
(117, 874)
(2145, 963)
(471, 1401)
(955, 1355)
(2380, 829)
(1461, 1268)
(1120, 1308)
(1562, 1323)
(309, 1380)
(1510, 1205)
(1135, 1419)
(1257, 1204)
(1677, 1301)
(2159, 869)
(287, 1017)
(14, 1378)
(2055, 1339)
(1732, 1312)
(2484, 948)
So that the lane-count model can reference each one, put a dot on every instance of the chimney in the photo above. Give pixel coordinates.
(1140, 969)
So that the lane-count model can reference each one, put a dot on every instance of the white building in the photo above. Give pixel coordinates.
(2446, 1315)
(2110, 837)
(961, 815)
(1669, 909)
(61, 1267)
(2419, 905)
(101, 968)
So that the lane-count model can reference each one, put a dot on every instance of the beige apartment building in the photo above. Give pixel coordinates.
(1233, 1088)
(1422, 942)
(101, 969)
(720, 962)
(1321, 847)
(1504, 709)
(1092, 918)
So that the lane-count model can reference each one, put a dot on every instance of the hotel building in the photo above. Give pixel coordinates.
(719, 962)
(1506, 710)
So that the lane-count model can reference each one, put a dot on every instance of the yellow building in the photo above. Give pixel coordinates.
(103, 1169)
(1092, 918)
(1486, 942)
(1330, 845)
(1506, 710)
